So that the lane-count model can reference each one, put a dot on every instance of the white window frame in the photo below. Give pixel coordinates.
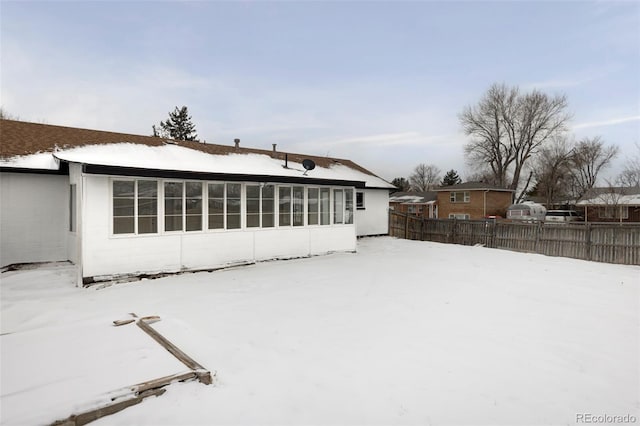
(360, 205)
(466, 197)
(205, 201)
(159, 207)
(177, 231)
(459, 216)
(613, 212)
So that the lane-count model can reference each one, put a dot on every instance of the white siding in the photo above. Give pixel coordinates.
(374, 219)
(105, 254)
(34, 217)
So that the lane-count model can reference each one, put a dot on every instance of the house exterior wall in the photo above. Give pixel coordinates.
(34, 217)
(105, 254)
(374, 218)
(630, 213)
(495, 204)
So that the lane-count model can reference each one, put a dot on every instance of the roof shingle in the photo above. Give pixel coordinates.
(18, 138)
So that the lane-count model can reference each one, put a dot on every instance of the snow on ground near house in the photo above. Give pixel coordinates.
(402, 332)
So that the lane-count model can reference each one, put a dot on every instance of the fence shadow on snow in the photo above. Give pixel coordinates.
(599, 242)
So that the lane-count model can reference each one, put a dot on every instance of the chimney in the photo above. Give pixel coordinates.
(274, 149)
(237, 142)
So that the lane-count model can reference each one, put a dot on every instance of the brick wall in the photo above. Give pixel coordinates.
(496, 204)
(593, 214)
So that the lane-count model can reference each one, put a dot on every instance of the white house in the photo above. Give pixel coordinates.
(117, 204)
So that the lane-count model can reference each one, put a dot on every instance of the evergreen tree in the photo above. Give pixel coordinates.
(451, 178)
(401, 183)
(178, 126)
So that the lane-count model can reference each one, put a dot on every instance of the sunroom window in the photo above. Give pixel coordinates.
(234, 203)
(268, 206)
(135, 206)
(193, 206)
(216, 205)
(298, 206)
(284, 206)
(312, 206)
(173, 194)
(325, 206)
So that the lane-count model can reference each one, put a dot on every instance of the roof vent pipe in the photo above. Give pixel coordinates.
(237, 142)
(274, 149)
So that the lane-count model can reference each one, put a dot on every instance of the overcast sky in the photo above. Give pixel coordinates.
(381, 83)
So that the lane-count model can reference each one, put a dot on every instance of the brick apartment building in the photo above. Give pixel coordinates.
(472, 200)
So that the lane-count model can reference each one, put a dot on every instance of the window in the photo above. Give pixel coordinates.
(135, 206)
(216, 205)
(193, 206)
(459, 197)
(360, 200)
(325, 217)
(147, 206)
(234, 202)
(72, 207)
(338, 206)
(298, 206)
(253, 206)
(462, 216)
(124, 196)
(268, 206)
(348, 206)
(613, 212)
(229, 205)
(173, 194)
(284, 206)
(312, 206)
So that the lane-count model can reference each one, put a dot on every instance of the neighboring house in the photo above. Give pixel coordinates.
(611, 205)
(472, 200)
(117, 204)
(416, 203)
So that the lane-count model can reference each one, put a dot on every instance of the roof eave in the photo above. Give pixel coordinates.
(98, 169)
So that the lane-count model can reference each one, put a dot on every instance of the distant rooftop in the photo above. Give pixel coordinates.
(473, 186)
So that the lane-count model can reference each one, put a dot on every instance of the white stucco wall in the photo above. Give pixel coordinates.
(34, 217)
(374, 218)
(104, 254)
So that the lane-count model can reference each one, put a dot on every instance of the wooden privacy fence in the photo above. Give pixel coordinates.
(600, 242)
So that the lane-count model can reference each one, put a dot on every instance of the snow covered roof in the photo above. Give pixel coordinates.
(41, 147)
(611, 199)
(413, 197)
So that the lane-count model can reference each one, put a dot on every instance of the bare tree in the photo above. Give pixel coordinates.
(630, 175)
(424, 177)
(507, 128)
(552, 170)
(590, 156)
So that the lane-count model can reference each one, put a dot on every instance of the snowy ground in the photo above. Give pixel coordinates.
(402, 332)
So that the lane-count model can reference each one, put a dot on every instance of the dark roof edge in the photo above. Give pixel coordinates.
(179, 174)
(62, 170)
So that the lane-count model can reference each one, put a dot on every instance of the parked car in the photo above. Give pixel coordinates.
(562, 216)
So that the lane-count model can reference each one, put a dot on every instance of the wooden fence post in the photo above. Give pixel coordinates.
(587, 236)
(406, 226)
(453, 230)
